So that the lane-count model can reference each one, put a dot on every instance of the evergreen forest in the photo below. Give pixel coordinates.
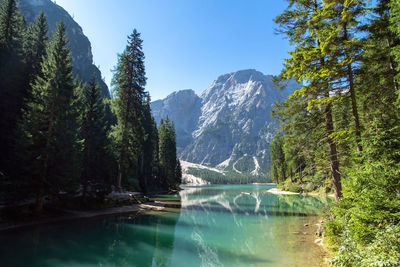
(341, 131)
(60, 140)
(64, 145)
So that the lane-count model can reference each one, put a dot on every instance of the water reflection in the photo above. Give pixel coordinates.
(234, 225)
(216, 226)
(128, 240)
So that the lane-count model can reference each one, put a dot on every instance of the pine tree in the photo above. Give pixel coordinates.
(278, 163)
(178, 172)
(34, 47)
(149, 159)
(338, 42)
(50, 123)
(129, 81)
(11, 81)
(167, 154)
(94, 135)
(11, 23)
(394, 27)
(309, 63)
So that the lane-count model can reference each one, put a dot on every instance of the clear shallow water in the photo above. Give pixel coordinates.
(235, 225)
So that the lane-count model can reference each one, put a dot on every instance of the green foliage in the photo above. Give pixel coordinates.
(149, 159)
(245, 164)
(394, 27)
(383, 251)
(167, 155)
(178, 172)
(49, 124)
(12, 83)
(97, 160)
(347, 56)
(129, 81)
(34, 46)
(58, 137)
(278, 163)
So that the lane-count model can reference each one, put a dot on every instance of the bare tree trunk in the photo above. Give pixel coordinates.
(39, 201)
(354, 108)
(120, 176)
(301, 174)
(142, 174)
(291, 175)
(353, 98)
(333, 159)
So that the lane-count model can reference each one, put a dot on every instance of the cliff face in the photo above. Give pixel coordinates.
(81, 50)
(184, 109)
(231, 125)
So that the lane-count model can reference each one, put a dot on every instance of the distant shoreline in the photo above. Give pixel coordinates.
(209, 184)
(277, 191)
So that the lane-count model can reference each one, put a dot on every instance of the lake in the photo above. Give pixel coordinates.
(224, 225)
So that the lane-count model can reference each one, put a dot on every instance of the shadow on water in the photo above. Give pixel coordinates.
(112, 241)
(216, 226)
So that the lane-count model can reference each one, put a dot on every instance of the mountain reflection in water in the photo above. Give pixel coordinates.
(235, 225)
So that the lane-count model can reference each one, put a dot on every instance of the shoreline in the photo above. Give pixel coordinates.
(319, 238)
(74, 215)
(277, 191)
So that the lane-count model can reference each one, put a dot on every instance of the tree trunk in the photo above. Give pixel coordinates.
(301, 174)
(39, 201)
(291, 175)
(119, 177)
(333, 159)
(142, 174)
(283, 174)
(353, 97)
(122, 154)
(354, 108)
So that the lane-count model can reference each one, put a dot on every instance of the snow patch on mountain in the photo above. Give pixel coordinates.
(256, 168)
(186, 165)
(224, 164)
(230, 119)
(234, 167)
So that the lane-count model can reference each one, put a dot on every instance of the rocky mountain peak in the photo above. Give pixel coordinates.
(81, 50)
(38, 2)
(183, 108)
(230, 123)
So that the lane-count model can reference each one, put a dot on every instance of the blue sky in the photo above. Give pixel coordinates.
(187, 43)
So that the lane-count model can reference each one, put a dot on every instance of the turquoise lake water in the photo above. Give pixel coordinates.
(232, 225)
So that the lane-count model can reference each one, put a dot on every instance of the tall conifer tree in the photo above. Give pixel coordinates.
(11, 81)
(129, 81)
(338, 43)
(308, 63)
(50, 122)
(167, 154)
(34, 48)
(94, 134)
(149, 159)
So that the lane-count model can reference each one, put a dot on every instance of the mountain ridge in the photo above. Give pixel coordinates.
(233, 126)
(81, 49)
